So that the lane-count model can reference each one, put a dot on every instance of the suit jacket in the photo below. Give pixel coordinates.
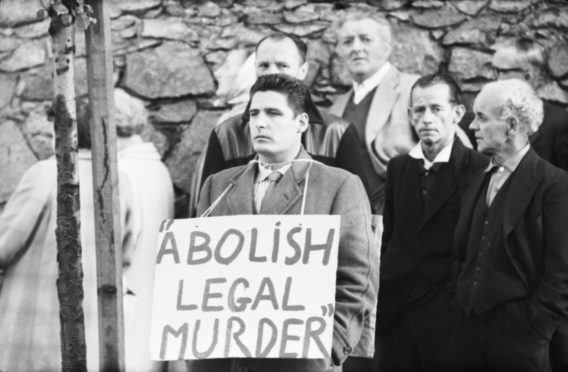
(551, 140)
(534, 239)
(417, 245)
(387, 131)
(329, 191)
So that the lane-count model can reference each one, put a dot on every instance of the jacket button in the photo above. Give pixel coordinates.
(347, 350)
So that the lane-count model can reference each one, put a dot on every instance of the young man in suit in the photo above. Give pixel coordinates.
(328, 138)
(511, 239)
(422, 198)
(284, 179)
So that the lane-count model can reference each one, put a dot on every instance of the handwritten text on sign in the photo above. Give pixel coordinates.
(258, 286)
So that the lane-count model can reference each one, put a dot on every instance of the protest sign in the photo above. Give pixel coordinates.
(254, 286)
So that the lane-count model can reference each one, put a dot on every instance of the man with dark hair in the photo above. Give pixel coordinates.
(510, 239)
(276, 182)
(328, 139)
(524, 58)
(422, 198)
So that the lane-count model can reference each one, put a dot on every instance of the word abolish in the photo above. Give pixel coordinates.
(293, 246)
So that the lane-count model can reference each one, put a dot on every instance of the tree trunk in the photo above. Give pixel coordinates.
(70, 279)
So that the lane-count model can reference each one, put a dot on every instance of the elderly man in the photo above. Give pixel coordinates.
(511, 239)
(277, 183)
(524, 58)
(328, 139)
(422, 199)
(377, 105)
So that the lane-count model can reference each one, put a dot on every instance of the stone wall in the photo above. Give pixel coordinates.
(182, 57)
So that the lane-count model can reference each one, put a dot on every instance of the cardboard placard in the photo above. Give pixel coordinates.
(254, 286)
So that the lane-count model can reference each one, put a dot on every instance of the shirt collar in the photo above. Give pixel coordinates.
(265, 169)
(511, 164)
(360, 90)
(442, 157)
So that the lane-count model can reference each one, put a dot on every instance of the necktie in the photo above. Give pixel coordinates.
(266, 186)
(497, 177)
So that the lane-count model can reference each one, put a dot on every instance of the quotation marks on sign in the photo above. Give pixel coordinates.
(327, 310)
(166, 224)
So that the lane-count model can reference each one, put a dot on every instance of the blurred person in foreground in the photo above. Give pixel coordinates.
(153, 201)
(29, 304)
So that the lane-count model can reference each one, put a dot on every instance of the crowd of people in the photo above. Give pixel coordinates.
(453, 254)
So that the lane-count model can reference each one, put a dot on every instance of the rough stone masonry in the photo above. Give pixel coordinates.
(181, 57)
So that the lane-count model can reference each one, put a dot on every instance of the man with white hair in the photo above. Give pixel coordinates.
(510, 241)
(524, 58)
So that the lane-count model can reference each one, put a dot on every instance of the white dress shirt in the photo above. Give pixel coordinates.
(360, 90)
(442, 157)
(263, 181)
(504, 171)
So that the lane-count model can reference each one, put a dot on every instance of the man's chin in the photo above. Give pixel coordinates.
(359, 69)
(262, 149)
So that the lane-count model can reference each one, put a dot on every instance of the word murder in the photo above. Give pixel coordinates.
(285, 247)
(290, 338)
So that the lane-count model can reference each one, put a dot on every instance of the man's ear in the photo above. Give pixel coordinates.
(410, 116)
(513, 125)
(303, 121)
(388, 51)
(304, 68)
(459, 111)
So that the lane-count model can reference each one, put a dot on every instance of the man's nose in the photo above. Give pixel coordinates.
(427, 117)
(357, 44)
(473, 125)
(272, 69)
(258, 121)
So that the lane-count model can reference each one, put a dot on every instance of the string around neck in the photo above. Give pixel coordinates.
(213, 205)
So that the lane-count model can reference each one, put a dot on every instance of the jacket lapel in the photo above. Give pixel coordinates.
(524, 182)
(411, 187)
(445, 183)
(240, 199)
(289, 189)
(467, 206)
(381, 107)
